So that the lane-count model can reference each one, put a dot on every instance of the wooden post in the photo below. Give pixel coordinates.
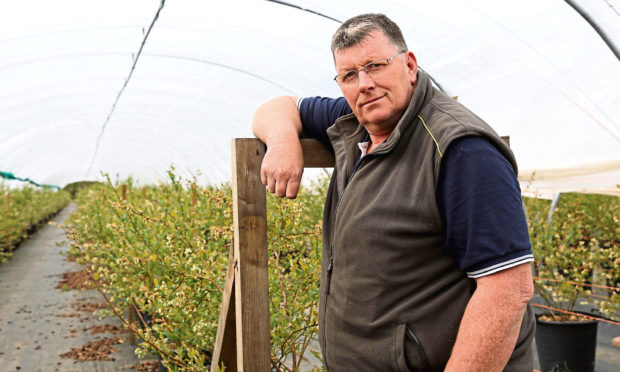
(9, 248)
(130, 310)
(124, 191)
(194, 197)
(248, 288)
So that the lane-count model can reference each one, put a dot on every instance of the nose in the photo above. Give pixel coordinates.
(365, 82)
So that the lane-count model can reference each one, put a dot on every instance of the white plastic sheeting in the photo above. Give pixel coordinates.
(534, 70)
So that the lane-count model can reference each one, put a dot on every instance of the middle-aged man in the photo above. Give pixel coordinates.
(425, 246)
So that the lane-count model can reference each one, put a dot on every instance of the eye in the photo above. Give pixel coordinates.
(348, 76)
(375, 66)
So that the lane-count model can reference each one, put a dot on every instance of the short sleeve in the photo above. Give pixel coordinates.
(480, 203)
(319, 113)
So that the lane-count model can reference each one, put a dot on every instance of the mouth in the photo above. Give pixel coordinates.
(371, 101)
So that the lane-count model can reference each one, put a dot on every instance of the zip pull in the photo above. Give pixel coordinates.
(412, 337)
(330, 268)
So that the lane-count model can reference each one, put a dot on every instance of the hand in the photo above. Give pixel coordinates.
(282, 168)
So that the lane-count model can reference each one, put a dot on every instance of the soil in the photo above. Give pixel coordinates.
(75, 280)
(146, 366)
(89, 307)
(94, 350)
(107, 328)
(564, 318)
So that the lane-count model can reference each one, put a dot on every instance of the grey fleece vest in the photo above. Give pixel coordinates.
(391, 297)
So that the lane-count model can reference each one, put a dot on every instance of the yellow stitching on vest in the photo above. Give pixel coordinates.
(433, 137)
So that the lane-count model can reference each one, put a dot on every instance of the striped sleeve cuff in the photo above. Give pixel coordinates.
(299, 102)
(501, 266)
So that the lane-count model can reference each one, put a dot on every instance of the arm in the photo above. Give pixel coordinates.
(277, 123)
(490, 326)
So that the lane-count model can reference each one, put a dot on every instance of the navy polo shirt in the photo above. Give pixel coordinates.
(478, 195)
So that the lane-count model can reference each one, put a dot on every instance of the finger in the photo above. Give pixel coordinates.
(281, 187)
(271, 185)
(292, 188)
(263, 177)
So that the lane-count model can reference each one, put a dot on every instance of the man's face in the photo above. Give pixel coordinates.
(379, 101)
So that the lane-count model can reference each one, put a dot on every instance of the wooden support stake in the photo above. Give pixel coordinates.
(9, 248)
(251, 286)
(250, 252)
(225, 348)
(132, 321)
(124, 191)
(130, 309)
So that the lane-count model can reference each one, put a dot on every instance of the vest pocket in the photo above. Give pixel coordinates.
(410, 354)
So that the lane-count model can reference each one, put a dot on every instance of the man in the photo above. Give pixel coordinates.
(425, 247)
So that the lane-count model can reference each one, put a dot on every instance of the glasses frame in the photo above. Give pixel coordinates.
(365, 68)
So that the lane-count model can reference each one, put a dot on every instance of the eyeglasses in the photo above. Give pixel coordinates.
(371, 69)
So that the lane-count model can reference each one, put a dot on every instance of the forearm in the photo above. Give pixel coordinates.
(491, 322)
(277, 121)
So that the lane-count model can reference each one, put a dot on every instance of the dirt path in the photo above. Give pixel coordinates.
(40, 322)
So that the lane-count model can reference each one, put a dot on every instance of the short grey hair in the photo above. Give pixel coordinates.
(356, 29)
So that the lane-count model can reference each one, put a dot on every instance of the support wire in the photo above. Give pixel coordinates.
(120, 93)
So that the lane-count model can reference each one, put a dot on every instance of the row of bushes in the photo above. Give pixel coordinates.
(22, 210)
(577, 251)
(163, 251)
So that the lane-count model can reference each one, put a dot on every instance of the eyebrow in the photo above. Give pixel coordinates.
(362, 65)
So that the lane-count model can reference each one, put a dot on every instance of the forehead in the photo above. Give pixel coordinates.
(374, 46)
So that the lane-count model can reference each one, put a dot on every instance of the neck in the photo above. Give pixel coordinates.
(377, 138)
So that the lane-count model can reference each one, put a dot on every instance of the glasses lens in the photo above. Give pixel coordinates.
(376, 66)
(348, 77)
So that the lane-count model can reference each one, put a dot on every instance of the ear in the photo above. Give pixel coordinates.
(412, 66)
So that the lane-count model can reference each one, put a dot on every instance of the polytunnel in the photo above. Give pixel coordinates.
(131, 88)
(198, 276)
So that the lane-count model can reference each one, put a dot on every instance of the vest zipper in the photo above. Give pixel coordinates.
(329, 273)
(355, 168)
(330, 267)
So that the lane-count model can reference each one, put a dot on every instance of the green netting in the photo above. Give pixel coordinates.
(11, 176)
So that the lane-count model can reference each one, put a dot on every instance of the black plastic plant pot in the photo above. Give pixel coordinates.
(566, 346)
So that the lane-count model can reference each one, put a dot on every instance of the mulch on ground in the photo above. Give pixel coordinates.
(75, 280)
(89, 307)
(107, 328)
(146, 366)
(94, 350)
(98, 350)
